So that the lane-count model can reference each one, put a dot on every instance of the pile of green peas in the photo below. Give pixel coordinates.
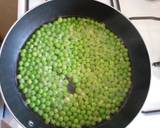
(74, 72)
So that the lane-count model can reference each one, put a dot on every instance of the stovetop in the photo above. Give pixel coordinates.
(145, 15)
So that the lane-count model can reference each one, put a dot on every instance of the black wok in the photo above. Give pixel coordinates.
(49, 11)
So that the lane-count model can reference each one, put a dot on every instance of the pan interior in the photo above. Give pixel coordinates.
(74, 66)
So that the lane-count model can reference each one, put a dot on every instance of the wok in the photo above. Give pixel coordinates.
(23, 28)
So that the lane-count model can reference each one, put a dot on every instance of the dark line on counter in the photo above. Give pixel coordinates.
(27, 5)
(145, 18)
(156, 64)
(118, 5)
(4, 110)
(151, 111)
(112, 4)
